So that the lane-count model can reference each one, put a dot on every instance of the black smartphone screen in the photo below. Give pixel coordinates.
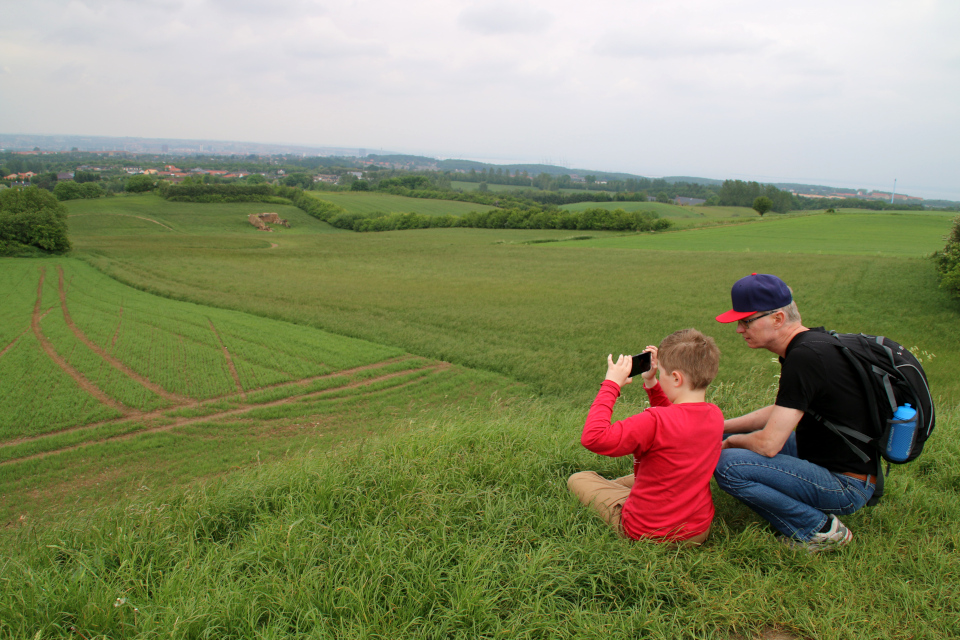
(641, 363)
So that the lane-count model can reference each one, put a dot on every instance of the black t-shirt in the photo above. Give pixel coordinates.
(815, 376)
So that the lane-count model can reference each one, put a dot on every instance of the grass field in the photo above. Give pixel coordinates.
(879, 234)
(368, 203)
(674, 212)
(482, 299)
(473, 186)
(416, 498)
(115, 372)
(151, 215)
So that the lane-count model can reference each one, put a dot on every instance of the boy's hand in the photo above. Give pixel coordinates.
(619, 371)
(650, 376)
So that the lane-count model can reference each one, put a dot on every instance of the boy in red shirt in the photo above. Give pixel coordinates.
(675, 444)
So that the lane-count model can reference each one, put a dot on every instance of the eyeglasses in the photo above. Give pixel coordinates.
(746, 323)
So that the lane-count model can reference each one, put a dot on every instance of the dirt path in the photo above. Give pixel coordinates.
(240, 411)
(84, 384)
(122, 215)
(113, 362)
(160, 413)
(226, 353)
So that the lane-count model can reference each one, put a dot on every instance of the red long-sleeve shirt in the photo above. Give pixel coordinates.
(675, 449)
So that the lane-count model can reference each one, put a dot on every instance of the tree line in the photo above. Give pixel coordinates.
(590, 219)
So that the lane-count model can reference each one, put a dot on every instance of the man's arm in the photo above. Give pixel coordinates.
(769, 440)
(750, 422)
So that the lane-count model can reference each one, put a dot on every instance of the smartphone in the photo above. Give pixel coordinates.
(641, 363)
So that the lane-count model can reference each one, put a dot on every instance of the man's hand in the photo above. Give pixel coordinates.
(619, 371)
(769, 440)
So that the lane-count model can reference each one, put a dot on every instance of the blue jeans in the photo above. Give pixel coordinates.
(792, 494)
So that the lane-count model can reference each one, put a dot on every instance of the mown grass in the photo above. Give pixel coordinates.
(122, 216)
(368, 203)
(462, 527)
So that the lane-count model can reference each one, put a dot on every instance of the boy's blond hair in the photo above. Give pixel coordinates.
(691, 353)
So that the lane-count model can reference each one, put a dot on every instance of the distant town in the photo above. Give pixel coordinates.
(228, 161)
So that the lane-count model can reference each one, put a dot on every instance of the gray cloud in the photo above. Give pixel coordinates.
(634, 85)
(499, 18)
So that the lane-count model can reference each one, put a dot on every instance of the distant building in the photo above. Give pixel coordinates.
(65, 175)
(690, 202)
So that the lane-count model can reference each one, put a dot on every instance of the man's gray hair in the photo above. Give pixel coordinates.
(790, 312)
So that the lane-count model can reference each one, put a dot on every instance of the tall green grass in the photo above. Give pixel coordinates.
(463, 528)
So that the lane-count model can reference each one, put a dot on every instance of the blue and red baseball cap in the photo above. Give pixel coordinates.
(756, 292)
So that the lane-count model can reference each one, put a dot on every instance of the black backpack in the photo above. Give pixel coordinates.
(891, 376)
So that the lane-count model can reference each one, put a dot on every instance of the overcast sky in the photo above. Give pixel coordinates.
(848, 93)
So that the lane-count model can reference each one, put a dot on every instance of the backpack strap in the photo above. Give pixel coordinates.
(845, 433)
(867, 388)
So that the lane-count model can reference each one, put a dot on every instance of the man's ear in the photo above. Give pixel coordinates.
(779, 319)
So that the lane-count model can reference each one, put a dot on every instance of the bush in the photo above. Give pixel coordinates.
(140, 183)
(91, 190)
(67, 190)
(948, 261)
(32, 218)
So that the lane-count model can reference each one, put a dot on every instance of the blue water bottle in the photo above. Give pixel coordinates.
(902, 427)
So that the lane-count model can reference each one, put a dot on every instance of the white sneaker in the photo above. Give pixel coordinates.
(837, 536)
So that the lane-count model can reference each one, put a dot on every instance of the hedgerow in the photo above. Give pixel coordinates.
(589, 219)
(218, 192)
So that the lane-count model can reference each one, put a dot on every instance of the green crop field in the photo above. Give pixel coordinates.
(368, 203)
(682, 216)
(473, 186)
(113, 369)
(881, 234)
(483, 299)
(210, 430)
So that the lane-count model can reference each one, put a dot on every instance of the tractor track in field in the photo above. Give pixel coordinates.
(412, 365)
(122, 215)
(78, 377)
(230, 365)
(160, 413)
(219, 415)
(106, 357)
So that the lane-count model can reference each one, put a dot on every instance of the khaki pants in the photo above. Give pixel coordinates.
(607, 498)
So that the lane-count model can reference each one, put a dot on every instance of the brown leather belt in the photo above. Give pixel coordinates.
(861, 476)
